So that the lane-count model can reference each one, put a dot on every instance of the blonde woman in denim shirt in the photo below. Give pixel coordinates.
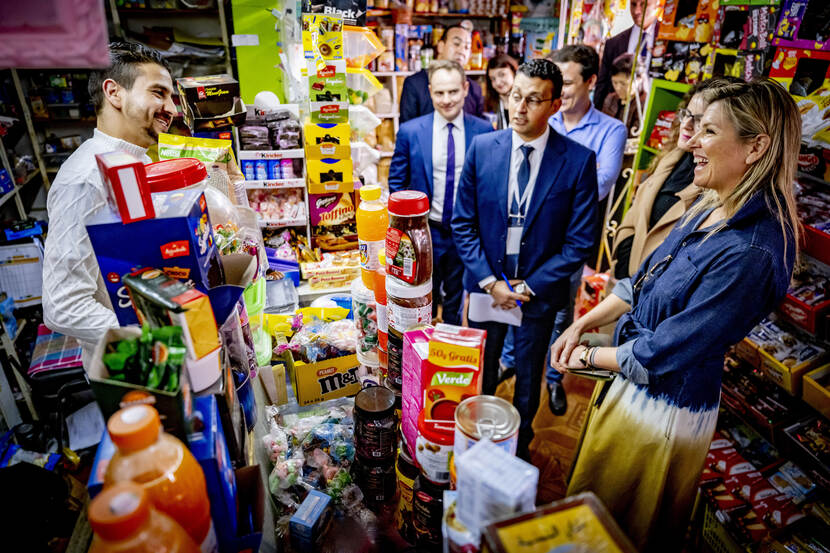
(724, 267)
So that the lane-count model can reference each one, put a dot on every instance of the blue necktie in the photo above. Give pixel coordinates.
(512, 261)
(449, 186)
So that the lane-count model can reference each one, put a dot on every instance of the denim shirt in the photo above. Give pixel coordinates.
(693, 298)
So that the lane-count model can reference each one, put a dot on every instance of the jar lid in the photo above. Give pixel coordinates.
(375, 401)
(408, 203)
(173, 174)
(360, 292)
(134, 428)
(436, 431)
(118, 511)
(487, 416)
(370, 192)
(400, 289)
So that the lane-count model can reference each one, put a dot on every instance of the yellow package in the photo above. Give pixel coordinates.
(217, 155)
(330, 175)
(327, 140)
(324, 380)
(322, 38)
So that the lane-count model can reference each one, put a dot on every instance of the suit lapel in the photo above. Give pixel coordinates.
(425, 138)
(501, 160)
(468, 133)
(552, 163)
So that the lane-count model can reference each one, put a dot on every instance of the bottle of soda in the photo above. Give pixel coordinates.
(164, 467)
(124, 521)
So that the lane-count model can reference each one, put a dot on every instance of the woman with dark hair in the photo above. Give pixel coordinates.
(614, 104)
(724, 267)
(500, 73)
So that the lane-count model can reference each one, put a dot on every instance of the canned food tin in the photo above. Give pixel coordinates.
(433, 448)
(489, 417)
(376, 425)
(407, 473)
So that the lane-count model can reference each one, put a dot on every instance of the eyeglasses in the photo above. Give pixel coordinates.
(532, 102)
(684, 114)
(656, 270)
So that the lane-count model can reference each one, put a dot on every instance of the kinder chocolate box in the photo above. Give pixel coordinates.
(452, 372)
(179, 241)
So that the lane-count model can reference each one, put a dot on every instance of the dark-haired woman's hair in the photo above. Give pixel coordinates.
(491, 101)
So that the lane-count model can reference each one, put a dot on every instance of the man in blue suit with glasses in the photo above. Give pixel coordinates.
(525, 211)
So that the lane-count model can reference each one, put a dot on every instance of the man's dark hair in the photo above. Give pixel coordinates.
(450, 28)
(546, 70)
(125, 57)
(579, 53)
(622, 64)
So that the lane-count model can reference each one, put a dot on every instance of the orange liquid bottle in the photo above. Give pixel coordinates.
(124, 521)
(380, 302)
(164, 467)
(372, 220)
(477, 52)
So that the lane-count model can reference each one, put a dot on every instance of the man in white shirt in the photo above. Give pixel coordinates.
(626, 42)
(429, 155)
(523, 223)
(133, 103)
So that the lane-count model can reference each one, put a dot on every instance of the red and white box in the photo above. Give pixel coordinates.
(126, 182)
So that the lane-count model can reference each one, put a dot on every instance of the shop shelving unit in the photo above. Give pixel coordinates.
(297, 182)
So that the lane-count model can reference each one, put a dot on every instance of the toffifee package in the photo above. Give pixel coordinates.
(453, 369)
(327, 140)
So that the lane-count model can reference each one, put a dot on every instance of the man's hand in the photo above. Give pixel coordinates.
(503, 297)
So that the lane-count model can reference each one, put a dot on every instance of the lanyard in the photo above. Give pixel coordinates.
(521, 202)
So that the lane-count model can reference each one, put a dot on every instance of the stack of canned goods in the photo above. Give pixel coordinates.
(376, 439)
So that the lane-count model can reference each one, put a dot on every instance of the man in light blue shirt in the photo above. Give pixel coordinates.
(578, 120)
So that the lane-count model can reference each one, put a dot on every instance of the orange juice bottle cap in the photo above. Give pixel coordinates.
(134, 428)
(370, 192)
(118, 511)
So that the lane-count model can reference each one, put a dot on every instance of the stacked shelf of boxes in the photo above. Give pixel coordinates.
(766, 481)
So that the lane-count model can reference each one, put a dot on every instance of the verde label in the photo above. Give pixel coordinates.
(451, 379)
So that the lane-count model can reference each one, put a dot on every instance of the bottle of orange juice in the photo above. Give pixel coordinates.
(372, 220)
(477, 52)
(124, 521)
(164, 467)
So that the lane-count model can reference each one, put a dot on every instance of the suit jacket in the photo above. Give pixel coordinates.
(558, 234)
(411, 167)
(415, 99)
(614, 46)
(636, 219)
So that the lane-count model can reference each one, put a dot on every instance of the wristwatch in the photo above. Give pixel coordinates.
(583, 357)
(521, 288)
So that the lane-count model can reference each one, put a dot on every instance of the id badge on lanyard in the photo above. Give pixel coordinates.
(516, 221)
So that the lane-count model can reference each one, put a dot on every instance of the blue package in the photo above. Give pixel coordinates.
(105, 451)
(248, 169)
(274, 170)
(309, 523)
(261, 169)
(179, 241)
(209, 447)
(24, 230)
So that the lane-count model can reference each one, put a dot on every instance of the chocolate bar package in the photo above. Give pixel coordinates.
(211, 102)
(353, 11)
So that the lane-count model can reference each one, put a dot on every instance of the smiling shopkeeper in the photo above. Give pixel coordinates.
(723, 268)
(133, 103)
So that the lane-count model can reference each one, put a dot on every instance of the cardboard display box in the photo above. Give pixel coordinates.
(816, 389)
(323, 380)
(179, 241)
(802, 72)
(801, 23)
(689, 25)
(174, 408)
(211, 102)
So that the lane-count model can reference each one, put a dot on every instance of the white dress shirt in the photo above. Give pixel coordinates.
(439, 160)
(516, 160)
(648, 39)
(75, 301)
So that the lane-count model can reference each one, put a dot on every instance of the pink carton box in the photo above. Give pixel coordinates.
(415, 353)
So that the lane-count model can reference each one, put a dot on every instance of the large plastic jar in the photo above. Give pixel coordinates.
(164, 467)
(365, 315)
(124, 521)
(408, 240)
(406, 307)
(174, 174)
